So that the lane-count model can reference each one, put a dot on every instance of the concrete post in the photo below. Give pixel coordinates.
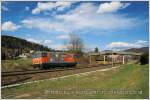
(104, 59)
(90, 60)
(123, 59)
(112, 59)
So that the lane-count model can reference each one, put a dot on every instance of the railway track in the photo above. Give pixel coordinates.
(14, 77)
(14, 73)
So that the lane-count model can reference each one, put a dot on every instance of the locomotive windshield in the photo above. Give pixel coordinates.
(37, 55)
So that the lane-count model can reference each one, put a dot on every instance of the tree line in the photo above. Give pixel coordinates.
(13, 47)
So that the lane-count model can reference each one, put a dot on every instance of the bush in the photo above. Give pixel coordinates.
(144, 59)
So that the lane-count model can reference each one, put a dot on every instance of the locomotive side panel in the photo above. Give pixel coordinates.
(69, 58)
(53, 59)
(39, 58)
(56, 58)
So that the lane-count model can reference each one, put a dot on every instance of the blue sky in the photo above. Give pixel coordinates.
(106, 25)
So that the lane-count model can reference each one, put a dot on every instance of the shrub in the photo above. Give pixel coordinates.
(144, 59)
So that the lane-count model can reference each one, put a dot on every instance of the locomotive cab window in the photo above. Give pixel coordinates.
(37, 55)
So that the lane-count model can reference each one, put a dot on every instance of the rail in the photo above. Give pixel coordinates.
(13, 73)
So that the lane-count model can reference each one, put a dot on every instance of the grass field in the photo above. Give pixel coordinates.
(131, 80)
(19, 64)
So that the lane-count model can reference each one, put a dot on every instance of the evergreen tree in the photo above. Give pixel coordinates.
(96, 49)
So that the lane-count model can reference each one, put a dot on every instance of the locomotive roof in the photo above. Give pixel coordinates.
(47, 52)
(52, 52)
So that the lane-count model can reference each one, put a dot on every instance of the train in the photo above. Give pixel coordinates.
(46, 60)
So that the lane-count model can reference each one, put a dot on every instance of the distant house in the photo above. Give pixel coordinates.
(31, 51)
(115, 56)
(25, 55)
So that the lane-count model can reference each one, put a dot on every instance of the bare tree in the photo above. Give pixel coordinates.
(75, 43)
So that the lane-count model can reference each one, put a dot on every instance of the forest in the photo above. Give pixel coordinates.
(12, 47)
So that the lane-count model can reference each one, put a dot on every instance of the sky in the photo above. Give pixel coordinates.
(106, 25)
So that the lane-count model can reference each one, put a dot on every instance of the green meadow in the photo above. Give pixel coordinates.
(18, 64)
(127, 81)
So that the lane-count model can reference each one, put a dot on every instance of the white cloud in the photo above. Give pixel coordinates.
(141, 42)
(123, 45)
(43, 42)
(99, 22)
(80, 17)
(119, 44)
(48, 42)
(9, 26)
(91, 47)
(5, 8)
(62, 5)
(62, 37)
(58, 46)
(34, 40)
(111, 7)
(85, 8)
(59, 5)
(43, 24)
(84, 16)
(27, 8)
(42, 7)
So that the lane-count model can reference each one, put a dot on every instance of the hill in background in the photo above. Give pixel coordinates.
(12, 47)
(138, 50)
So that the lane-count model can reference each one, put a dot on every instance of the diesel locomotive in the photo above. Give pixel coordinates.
(46, 60)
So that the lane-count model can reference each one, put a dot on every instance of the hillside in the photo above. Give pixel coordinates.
(14, 46)
(138, 50)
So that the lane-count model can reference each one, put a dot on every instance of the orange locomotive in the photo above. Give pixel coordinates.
(46, 60)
